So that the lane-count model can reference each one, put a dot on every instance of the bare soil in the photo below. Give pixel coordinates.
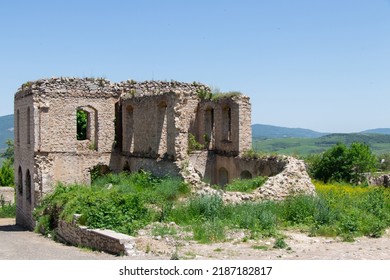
(299, 247)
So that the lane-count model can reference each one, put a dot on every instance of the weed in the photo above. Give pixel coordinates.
(7, 210)
(193, 145)
(260, 247)
(209, 232)
(162, 230)
(147, 250)
(280, 243)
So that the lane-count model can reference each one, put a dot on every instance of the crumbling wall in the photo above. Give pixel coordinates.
(288, 176)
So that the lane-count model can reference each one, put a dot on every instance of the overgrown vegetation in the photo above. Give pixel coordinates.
(193, 145)
(7, 210)
(127, 202)
(338, 210)
(246, 185)
(213, 96)
(122, 202)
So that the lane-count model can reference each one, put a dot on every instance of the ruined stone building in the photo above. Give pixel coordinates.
(130, 126)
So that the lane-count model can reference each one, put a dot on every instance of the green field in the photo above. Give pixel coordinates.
(379, 144)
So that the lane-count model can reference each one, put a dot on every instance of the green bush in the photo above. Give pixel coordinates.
(343, 164)
(7, 174)
(115, 201)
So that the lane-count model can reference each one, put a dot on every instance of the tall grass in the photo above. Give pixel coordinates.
(337, 210)
(127, 202)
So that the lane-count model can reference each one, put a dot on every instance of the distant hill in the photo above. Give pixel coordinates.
(377, 131)
(379, 143)
(6, 129)
(270, 132)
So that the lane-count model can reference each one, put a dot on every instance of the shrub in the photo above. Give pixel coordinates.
(280, 243)
(341, 163)
(7, 174)
(299, 210)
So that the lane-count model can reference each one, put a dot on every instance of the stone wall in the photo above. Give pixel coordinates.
(102, 240)
(224, 125)
(7, 195)
(287, 176)
(381, 180)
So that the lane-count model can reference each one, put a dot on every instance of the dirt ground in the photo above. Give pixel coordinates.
(180, 245)
(299, 247)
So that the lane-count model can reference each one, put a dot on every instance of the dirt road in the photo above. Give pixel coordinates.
(17, 243)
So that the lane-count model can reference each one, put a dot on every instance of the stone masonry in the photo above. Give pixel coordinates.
(130, 126)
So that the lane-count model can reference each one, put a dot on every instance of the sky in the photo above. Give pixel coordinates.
(317, 64)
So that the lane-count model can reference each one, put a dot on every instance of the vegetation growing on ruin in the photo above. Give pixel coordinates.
(193, 145)
(122, 202)
(127, 202)
(246, 185)
(205, 94)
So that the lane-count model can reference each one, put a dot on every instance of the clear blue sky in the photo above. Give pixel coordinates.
(318, 64)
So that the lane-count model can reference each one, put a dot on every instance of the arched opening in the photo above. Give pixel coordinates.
(246, 175)
(82, 124)
(162, 133)
(28, 186)
(17, 126)
(28, 126)
(209, 128)
(87, 126)
(98, 171)
(227, 123)
(20, 181)
(126, 167)
(223, 177)
(129, 127)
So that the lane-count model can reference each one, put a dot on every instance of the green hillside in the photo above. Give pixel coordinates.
(271, 131)
(6, 130)
(379, 143)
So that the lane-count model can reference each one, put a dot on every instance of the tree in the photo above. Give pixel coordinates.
(82, 124)
(9, 152)
(7, 169)
(341, 163)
